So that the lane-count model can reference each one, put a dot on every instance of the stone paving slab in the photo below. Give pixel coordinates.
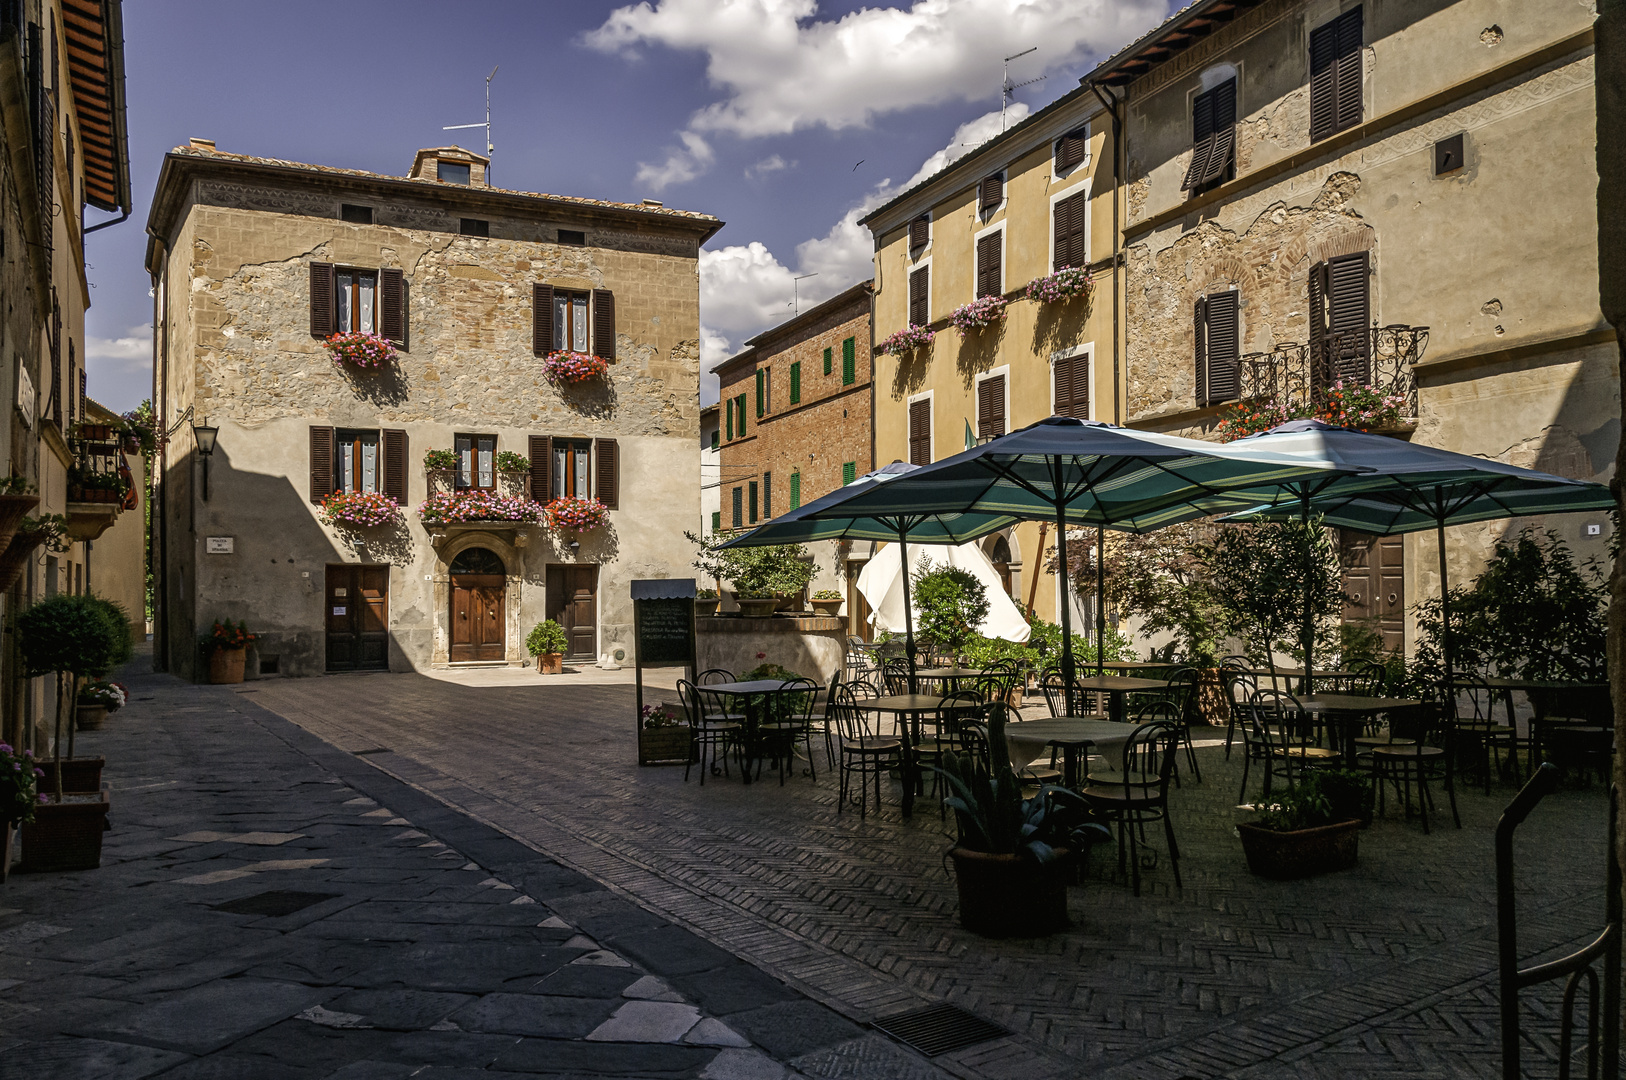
(425, 942)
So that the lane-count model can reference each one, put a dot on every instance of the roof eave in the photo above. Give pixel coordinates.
(812, 314)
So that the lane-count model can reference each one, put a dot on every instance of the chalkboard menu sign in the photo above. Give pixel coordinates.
(665, 632)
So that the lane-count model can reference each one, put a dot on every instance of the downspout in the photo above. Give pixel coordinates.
(1110, 103)
(108, 224)
(157, 489)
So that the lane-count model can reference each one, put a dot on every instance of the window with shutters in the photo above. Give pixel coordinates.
(920, 432)
(796, 383)
(767, 494)
(571, 458)
(920, 287)
(715, 442)
(739, 417)
(827, 353)
(476, 461)
(1213, 137)
(738, 517)
(356, 301)
(1341, 319)
(357, 466)
(991, 407)
(920, 234)
(751, 502)
(849, 362)
(849, 472)
(796, 491)
(1069, 246)
(1071, 149)
(570, 322)
(1219, 355)
(1070, 386)
(990, 264)
(717, 519)
(607, 453)
(990, 193)
(1335, 75)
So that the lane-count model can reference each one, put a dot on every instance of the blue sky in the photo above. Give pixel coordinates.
(754, 110)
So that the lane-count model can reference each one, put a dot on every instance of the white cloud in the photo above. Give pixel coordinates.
(681, 164)
(743, 288)
(133, 350)
(770, 164)
(967, 137)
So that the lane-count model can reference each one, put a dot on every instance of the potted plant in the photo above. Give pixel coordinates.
(440, 460)
(1011, 856)
(978, 315)
(1311, 828)
(547, 642)
(360, 352)
(906, 341)
(572, 513)
(20, 775)
(359, 509)
(69, 636)
(510, 462)
(756, 605)
(664, 736)
(706, 601)
(950, 604)
(97, 699)
(566, 366)
(1065, 284)
(826, 602)
(779, 571)
(227, 648)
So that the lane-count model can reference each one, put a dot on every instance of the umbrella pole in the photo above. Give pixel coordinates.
(1307, 628)
(1445, 617)
(1100, 597)
(908, 613)
(1067, 669)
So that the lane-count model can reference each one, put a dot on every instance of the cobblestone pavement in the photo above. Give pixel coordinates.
(1386, 970)
(272, 908)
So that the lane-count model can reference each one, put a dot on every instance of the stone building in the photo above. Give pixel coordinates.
(1397, 196)
(256, 262)
(62, 148)
(796, 423)
(1032, 201)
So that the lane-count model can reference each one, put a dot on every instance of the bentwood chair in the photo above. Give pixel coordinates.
(1140, 795)
(713, 737)
(1182, 693)
(1425, 752)
(1479, 736)
(1280, 735)
(864, 753)
(1239, 687)
(942, 733)
(788, 724)
(712, 676)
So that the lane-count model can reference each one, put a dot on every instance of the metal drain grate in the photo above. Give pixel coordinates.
(275, 904)
(937, 1029)
(371, 750)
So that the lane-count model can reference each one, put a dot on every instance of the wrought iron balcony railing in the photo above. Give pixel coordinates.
(1298, 376)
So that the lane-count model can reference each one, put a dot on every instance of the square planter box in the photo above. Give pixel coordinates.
(1302, 853)
(66, 836)
(667, 744)
(81, 774)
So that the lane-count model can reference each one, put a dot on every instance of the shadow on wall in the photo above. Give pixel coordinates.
(910, 374)
(1061, 325)
(978, 351)
(388, 386)
(593, 398)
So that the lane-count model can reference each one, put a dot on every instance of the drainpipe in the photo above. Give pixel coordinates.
(1110, 103)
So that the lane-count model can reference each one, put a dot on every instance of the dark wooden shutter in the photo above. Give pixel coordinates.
(1349, 68)
(988, 265)
(395, 464)
(761, 398)
(1072, 386)
(323, 451)
(920, 232)
(1223, 346)
(920, 432)
(392, 305)
(604, 325)
(1335, 75)
(1200, 359)
(608, 453)
(991, 192)
(541, 319)
(541, 468)
(56, 363)
(991, 407)
(1349, 315)
(919, 292)
(1071, 217)
(322, 300)
(1213, 135)
(1071, 148)
(1317, 330)
(796, 383)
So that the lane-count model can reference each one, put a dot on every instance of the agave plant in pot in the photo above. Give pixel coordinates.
(1013, 854)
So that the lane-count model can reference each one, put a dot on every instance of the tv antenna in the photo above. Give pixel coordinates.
(795, 295)
(1008, 89)
(487, 124)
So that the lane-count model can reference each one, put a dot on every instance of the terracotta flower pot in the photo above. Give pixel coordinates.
(673, 744)
(826, 607)
(1010, 895)
(706, 607)
(66, 835)
(226, 666)
(758, 608)
(550, 663)
(91, 715)
(1301, 853)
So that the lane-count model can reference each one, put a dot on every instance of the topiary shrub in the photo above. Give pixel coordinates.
(71, 637)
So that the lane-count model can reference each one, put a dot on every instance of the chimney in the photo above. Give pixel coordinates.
(202, 144)
(654, 204)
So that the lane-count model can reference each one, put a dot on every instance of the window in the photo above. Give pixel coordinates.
(1340, 317)
(919, 292)
(1218, 352)
(452, 172)
(1213, 137)
(1072, 148)
(796, 491)
(470, 226)
(991, 407)
(356, 215)
(990, 193)
(990, 277)
(761, 396)
(728, 420)
(573, 237)
(920, 432)
(1071, 226)
(739, 508)
(1335, 75)
(570, 468)
(714, 439)
(796, 383)
(356, 301)
(767, 494)
(1071, 385)
(570, 320)
(849, 362)
(752, 500)
(827, 361)
(920, 233)
(717, 520)
(476, 461)
(849, 472)
(357, 461)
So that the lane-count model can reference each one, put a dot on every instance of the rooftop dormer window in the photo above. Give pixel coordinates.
(452, 172)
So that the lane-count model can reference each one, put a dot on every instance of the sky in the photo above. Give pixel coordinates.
(788, 119)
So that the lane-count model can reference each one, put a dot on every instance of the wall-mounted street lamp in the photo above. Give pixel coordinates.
(206, 447)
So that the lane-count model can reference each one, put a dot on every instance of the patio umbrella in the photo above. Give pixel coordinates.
(1391, 486)
(828, 518)
(1080, 472)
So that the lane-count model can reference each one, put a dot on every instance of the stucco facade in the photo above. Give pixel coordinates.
(235, 240)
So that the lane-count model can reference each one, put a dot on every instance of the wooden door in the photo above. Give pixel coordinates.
(1375, 584)
(357, 615)
(477, 618)
(573, 604)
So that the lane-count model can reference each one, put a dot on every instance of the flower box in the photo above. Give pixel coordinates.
(66, 835)
(361, 509)
(907, 340)
(1300, 853)
(757, 607)
(666, 744)
(570, 513)
(981, 313)
(565, 366)
(363, 353)
(79, 774)
(450, 507)
(1068, 283)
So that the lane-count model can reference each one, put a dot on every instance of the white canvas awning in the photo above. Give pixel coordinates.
(882, 587)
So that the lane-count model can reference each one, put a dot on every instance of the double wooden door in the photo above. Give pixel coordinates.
(1375, 584)
(357, 617)
(573, 604)
(477, 618)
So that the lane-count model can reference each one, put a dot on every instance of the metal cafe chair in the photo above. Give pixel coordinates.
(792, 725)
(713, 737)
(1427, 751)
(864, 753)
(1140, 794)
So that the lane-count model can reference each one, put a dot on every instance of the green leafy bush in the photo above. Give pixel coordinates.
(510, 462)
(1268, 571)
(950, 603)
(85, 635)
(546, 637)
(827, 594)
(776, 570)
(440, 459)
(1321, 797)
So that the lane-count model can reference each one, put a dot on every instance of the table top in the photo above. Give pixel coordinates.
(1071, 729)
(950, 672)
(1128, 665)
(901, 703)
(1298, 673)
(1353, 703)
(1539, 684)
(753, 686)
(1119, 683)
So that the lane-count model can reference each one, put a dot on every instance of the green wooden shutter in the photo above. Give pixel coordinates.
(849, 366)
(795, 491)
(729, 420)
(827, 361)
(759, 393)
(796, 383)
(751, 499)
(739, 508)
(716, 521)
(849, 472)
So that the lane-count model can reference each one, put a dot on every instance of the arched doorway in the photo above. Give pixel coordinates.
(478, 578)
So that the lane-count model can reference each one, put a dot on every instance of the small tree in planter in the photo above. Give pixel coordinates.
(1311, 828)
(950, 604)
(779, 571)
(1270, 572)
(547, 642)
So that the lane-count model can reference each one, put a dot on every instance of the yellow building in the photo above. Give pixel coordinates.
(1034, 200)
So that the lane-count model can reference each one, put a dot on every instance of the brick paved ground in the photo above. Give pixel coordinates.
(438, 948)
(1386, 970)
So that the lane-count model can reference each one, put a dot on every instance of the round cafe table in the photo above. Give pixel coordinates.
(908, 708)
(1074, 736)
(751, 694)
